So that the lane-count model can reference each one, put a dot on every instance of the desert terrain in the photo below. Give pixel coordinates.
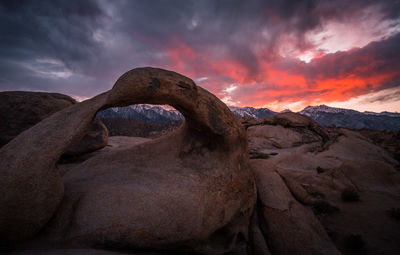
(213, 183)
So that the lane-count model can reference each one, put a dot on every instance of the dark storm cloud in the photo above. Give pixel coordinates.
(33, 31)
(81, 47)
(234, 25)
(48, 28)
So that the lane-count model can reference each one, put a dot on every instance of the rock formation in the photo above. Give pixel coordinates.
(96, 138)
(319, 190)
(191, 190)
(20, 110)
(309, 168)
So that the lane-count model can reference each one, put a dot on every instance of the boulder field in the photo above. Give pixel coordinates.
(217, 185)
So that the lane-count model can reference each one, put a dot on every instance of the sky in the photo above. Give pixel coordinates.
(263, 53)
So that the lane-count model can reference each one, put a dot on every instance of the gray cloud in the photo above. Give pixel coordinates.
(81, 47)
(385, 98)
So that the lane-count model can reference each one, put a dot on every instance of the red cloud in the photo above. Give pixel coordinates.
(332, 77)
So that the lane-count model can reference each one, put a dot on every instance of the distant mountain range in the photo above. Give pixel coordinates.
(257, 113)
(330, 116)
(143, 112)
(157, 114)
(325, 115)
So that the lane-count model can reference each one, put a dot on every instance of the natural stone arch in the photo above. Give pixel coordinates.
(209, 163)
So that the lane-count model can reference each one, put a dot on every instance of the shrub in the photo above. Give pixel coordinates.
(323, 207)
(350, 195)
(355, 243)
(258, 155)
(394, 213)
(317, 194)
(320, 170)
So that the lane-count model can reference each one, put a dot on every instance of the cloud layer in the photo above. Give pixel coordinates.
(261, 53)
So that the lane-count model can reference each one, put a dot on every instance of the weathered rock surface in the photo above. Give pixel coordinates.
(292, 228)
(191, 190)
(387, 139)
(77, 251)
(20, 110)
(258, 243)
(309, 167)
(95, 138)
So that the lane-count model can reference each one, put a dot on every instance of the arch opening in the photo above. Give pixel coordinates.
(141, 120)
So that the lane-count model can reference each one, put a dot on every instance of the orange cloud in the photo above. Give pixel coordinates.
(327, 78)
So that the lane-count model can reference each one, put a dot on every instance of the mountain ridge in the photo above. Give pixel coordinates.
(323, 114)
(352, 119)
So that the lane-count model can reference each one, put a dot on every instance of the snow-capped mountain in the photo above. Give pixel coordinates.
(143, 112)
(331, 116)
(257, 113)
(313, 110)
(325, 115)
(157, 114)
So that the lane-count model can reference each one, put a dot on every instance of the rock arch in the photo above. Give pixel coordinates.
(175, 191)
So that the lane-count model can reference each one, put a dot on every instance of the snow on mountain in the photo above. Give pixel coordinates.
(158, 114)
(143, 112)
(251, 112)
(331, 116)
(312, 110)
(323, 114)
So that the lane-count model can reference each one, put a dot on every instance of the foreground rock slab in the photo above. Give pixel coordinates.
(351, 184)
(292, 228)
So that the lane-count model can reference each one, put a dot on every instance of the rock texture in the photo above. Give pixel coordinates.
(389, 140)
(307, 169)
(292, 228)
(77, 251)
(21, 110)
(191, 190)
(96, 138)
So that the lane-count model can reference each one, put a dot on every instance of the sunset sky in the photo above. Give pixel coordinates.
(266, 53)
